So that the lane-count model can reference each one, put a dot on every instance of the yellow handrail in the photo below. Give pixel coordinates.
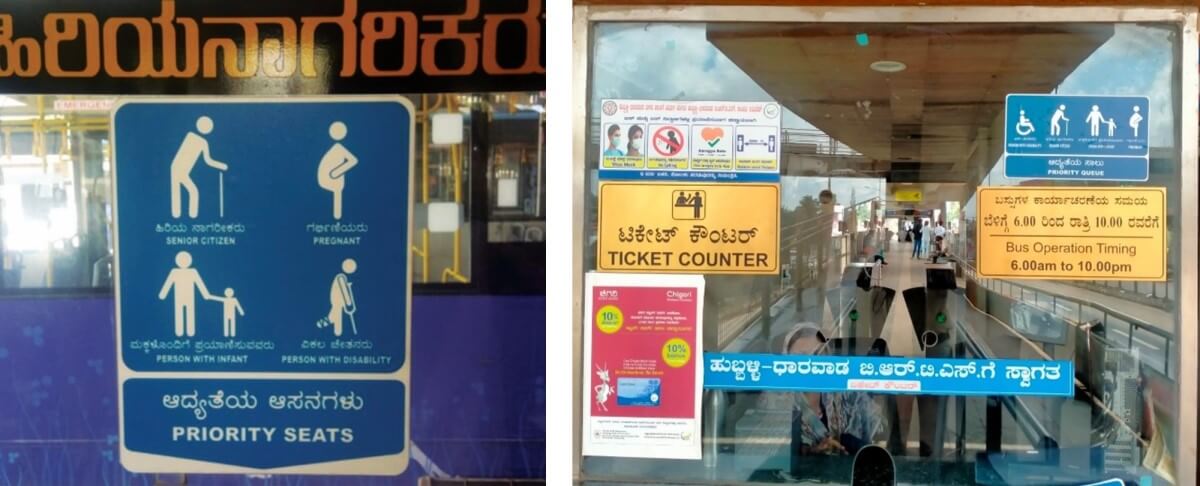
(452, 274)
(425, 264)
(423, 251)
(456, 165)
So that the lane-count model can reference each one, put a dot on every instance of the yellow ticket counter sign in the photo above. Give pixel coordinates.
(1072, 233)
(689, 228)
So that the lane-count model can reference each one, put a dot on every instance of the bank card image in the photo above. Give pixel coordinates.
(639, 392)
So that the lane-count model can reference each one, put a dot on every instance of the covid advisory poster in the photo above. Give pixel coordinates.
(642, 351)
(698, 141)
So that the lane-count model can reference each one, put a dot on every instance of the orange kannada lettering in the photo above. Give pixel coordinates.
(277, 56)
(308, 48)
(470, 43)
(533, 41)
(22, 57)
(64, 28)
(380, 26)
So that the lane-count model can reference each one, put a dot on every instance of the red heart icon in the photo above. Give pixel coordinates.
(712, 133)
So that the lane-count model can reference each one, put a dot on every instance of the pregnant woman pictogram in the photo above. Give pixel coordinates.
(331, 174)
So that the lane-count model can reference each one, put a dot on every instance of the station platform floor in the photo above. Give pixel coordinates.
(901, 272)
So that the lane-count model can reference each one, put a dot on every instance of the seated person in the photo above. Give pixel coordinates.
(938, 250)
(829, 423)
(877, 269)
(872, 276)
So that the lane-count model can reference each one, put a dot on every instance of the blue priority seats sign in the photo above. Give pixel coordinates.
(262, 282)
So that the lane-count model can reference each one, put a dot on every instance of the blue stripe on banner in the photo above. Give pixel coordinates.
(687, 176)
(924, 376)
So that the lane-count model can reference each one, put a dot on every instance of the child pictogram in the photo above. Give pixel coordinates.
(231, 306)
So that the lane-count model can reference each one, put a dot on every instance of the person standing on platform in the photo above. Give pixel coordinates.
(916, 232)
(926, 238)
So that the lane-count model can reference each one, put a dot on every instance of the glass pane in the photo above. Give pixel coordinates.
(55, 201)
(516, 172)
(929, 117)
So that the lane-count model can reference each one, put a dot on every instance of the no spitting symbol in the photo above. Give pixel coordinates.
(668, 141)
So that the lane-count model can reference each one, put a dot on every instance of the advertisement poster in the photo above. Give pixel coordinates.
(714, 141)
(642, 351)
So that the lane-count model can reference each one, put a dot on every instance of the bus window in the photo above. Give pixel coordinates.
(474, 188)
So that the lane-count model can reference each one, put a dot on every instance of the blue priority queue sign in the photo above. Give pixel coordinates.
(262, 282)
(1103, 138)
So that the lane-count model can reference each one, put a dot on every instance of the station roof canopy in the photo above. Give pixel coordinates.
(918, 124)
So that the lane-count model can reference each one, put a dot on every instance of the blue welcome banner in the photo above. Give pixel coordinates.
(925, 376)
